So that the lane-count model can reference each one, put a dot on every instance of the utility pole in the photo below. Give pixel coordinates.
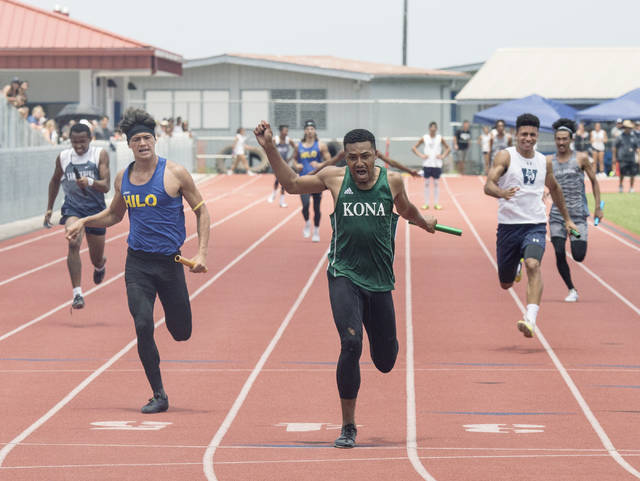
(404, 34)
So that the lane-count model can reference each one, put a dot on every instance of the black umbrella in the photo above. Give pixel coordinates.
(78, 112)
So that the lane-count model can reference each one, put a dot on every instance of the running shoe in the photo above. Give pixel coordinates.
(251, 172)
(306, 232)
(425, 206)
(78, 302)
(282, 202)
(98, 274)
(572, 297)
(437, 207)
(620, 189)
(157, 404)
(271, 198)
(526, 327)
(316, 237)
(519, 271)
(347, 437)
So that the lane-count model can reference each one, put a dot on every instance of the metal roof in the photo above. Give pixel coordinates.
(569, 74)
(325, 65)
(28, 35)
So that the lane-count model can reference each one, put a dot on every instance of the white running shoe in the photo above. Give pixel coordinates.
(229, 172)
(306, 232)
(272, 197)
(251, 172)
(282, 202)
(316, 235)
(572, 297)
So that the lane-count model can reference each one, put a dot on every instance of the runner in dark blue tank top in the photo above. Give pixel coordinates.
(309, 155)
(83, 173)
(151, 189)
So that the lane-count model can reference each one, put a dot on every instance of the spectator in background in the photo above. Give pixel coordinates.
(461, 140)
(177, 128)
(37, 117)
(102, 131)
(50, 132)
(598, 141)
(625, 151)
(636, 131)
(616, 130)
(185, 129)
(581, 139)
(24, 86)
(24, 112)
(500, 140)
(239, 154)
(12, 90)
(485, 144)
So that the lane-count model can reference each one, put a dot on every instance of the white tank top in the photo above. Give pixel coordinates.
(239, 148)
(526, 206)
(432, 148)
(485, 139)
(597, 139)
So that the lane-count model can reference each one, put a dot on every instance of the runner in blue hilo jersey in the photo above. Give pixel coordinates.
(310, 155)
(517, 178)
(83, 172)
(152, 189)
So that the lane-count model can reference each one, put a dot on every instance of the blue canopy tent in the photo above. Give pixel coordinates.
(625, 107)
(548, 111)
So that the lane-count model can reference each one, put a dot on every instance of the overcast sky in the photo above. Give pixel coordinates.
(441, 32)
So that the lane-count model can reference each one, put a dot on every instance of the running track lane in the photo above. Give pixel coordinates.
(222, 341)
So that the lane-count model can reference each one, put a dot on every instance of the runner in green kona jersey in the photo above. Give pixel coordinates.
(361, 256)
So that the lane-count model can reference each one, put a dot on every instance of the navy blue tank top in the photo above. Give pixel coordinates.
(306, 155)
(156, 220)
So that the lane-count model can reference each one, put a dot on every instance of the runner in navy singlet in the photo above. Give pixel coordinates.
(83, 172)
(151, 189)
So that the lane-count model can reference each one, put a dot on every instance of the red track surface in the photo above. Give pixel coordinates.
(262, 358)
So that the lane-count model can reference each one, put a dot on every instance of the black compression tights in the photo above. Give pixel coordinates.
(316, 207)
(578, 251)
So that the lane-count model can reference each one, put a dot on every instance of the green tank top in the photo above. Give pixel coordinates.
(364, 229)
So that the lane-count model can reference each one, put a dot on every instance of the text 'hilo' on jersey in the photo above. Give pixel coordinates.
(526, 206)
(306, 155)
(79, 201)
(364, 228)
(570, 177)
(156, 220)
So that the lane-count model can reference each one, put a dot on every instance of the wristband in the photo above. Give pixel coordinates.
(198, 206)
(90, 181)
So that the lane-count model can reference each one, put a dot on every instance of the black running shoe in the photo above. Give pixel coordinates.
(157, 404)
(98, 274)
(347, 437)
(78, 302)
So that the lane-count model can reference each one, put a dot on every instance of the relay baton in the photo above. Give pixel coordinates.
(445, 228)
(575, 233)
(187, 262)
(596, 221)
(77, 174)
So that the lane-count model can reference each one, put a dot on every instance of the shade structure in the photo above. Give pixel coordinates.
(626, 106)
(548, 111)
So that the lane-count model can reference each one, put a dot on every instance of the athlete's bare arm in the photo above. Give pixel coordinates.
(104, 183)
(54, 188)
(558, 197)
(500, 166)
(332, 161)
(108, 217)
(194, 198)
(404, 206)
(290, 180)
(416, 151)
(585, 165)
(397, 165)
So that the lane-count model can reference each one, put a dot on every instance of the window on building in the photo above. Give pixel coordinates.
(284, 113)
(215, 109)
(159, 103)
(314, 111)
(255, 107)
(186, 104)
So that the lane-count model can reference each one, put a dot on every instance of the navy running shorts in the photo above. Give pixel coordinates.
(512, 239)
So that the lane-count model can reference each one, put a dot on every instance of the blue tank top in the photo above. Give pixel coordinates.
(306, 155)
(156, 220)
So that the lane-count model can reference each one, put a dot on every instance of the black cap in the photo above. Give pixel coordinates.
(309, 123)
(15, 80)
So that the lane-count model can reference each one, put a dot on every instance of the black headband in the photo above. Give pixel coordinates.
(138, 129)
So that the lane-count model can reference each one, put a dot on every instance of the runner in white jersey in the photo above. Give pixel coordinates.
(435, 149)
(286, 148)
(238, 153)
(569, 168)
(598, 142)
(83, 172)
(517, 178)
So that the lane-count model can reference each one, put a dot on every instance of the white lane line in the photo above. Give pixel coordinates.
(119, 275)
(412, 444)
(595, 424)
(118, 236)
(80, 387)
(205, 184)
(207, 459)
